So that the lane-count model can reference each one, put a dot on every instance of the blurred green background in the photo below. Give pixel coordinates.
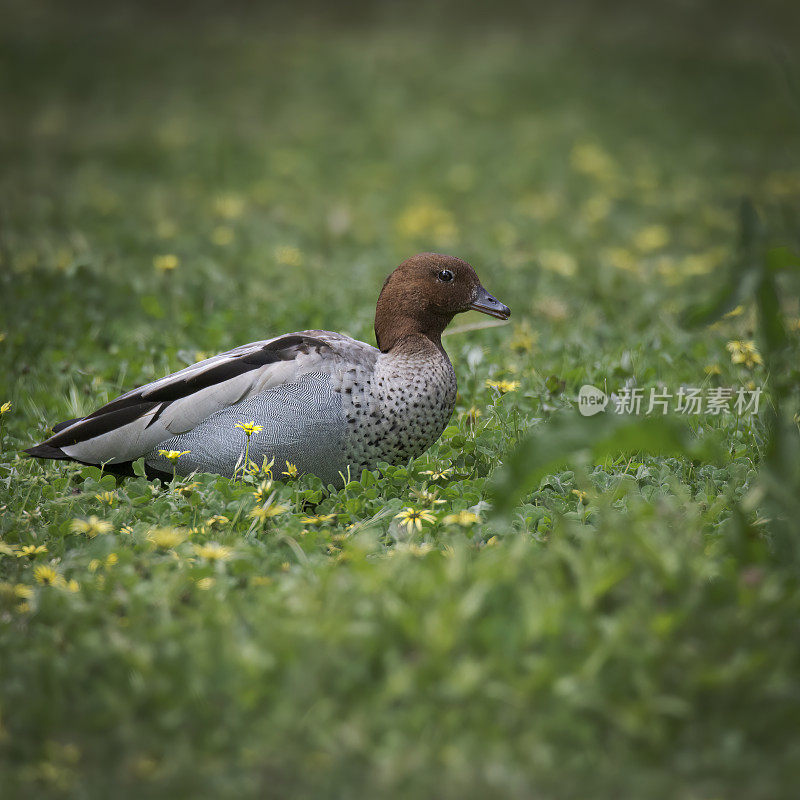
(179, 180)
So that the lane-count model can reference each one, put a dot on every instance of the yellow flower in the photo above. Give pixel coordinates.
(72, 585)
(265, 468)
(503, 386)
(463, 518)
(106, 497)
(91, 527)
(437, 474)
(166, 262)
(542, 206)
(431, 498)
(288, 256)
(651, 238)
(249, 428)
(229, 205)
(523, 340)
(412, 548)
(559, 262)
(111, 559)
(205, 583)
(173, 455)
(290, 471)
(583, 497)
(596, 208)
(471, 415)
(166, 538)
(222, 235)
(413, 518)
(262, 491)
(217, 519)
(266, 512)
(319, 519)
(744, 353)
(30, 550)
(590, 159)
(5, 408)
(621, 258)
(213, 551)
(712, 369)
(427, 219)
(46, 576)
(11, 592)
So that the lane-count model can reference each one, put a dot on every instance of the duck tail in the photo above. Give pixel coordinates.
(45, 450)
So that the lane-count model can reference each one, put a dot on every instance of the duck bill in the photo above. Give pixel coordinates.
(487, 304)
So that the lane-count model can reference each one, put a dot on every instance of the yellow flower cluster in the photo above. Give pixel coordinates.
(47, 576)
(91, 527)
(744, 353)
(30, 550)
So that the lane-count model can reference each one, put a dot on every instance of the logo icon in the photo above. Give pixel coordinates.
(591, 400)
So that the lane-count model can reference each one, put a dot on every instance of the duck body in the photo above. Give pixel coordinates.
(347, 407)
(329, 404)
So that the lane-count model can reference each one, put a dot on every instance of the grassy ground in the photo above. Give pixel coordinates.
(614, 624)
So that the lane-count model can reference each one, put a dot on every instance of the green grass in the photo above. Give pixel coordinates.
(621, 621)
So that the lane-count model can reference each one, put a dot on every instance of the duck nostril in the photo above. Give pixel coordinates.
(485, 303)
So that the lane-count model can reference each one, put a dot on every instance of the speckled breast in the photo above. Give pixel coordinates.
(401, 409)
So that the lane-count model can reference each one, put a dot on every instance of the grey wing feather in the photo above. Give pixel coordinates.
(137, 421)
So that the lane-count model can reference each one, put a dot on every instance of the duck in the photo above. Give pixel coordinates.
(324, 402)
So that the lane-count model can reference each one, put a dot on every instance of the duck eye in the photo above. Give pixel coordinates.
(445, 275)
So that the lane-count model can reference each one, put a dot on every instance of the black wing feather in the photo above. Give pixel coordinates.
(136, 403)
